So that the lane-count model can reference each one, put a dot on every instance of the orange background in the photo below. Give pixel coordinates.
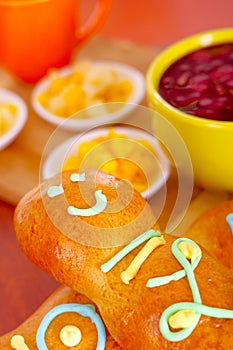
(153, 22)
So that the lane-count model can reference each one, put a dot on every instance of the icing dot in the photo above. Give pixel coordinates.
(190, 250)
(182, 319)
(70, 335)
(18, 343)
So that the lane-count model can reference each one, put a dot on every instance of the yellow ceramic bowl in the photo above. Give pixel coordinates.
(209, 142)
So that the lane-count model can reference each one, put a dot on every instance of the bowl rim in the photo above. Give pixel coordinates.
(22, 115)
(169, 56)
(60, 151)
(137, 95)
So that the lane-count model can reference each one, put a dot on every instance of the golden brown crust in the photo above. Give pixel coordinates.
(35, 229)
(212, 231)
(29, 328)
(131, 312)
(126, 215)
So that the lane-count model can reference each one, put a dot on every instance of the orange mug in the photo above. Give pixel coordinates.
(36, 35)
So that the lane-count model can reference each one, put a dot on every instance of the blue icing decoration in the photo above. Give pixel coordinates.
(78, 177)
(229, 220)
(196, 305)
(100, 205)
(159, 281)
(106, 267)
(84, 310)
(55, 191)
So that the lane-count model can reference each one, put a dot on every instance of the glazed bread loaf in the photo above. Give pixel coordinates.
(214, 230)
(153, 291)
(28, 330)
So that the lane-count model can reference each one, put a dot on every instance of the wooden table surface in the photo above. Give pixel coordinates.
(22, 285)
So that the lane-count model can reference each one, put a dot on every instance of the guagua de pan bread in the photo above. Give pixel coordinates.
(98, 236)
(63, 331)
(214, 230)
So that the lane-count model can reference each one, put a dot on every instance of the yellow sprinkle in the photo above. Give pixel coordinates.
(135, 265)
(182, 319)
(190, 250)
(70, 335)
(18, 343)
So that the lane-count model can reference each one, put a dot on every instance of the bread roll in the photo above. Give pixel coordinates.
(214, 231)
(29, 328)
(136, 308)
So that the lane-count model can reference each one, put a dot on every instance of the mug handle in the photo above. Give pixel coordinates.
(94, 21)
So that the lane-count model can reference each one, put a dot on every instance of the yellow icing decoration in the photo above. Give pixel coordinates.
(18, 343)
(70, 335)
(135, 265)
(182, 319)
(190, 250)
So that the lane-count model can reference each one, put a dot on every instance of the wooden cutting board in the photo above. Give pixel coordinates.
(20, 162)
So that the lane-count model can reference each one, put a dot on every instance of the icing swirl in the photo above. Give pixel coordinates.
(195, 306)
(84, 310)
